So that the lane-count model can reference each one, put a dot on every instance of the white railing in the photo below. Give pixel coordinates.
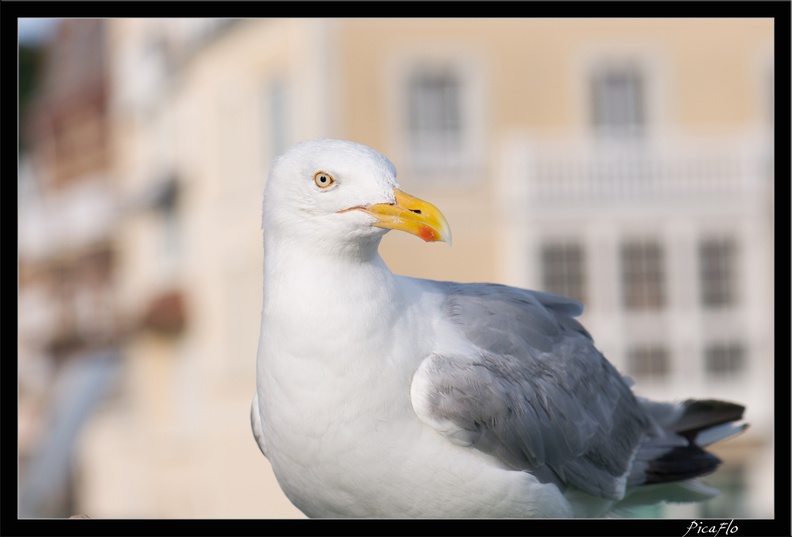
(561, 172)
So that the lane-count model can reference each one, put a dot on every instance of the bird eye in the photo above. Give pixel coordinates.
(323, 179)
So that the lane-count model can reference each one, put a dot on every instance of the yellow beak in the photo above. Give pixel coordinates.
(411, 215)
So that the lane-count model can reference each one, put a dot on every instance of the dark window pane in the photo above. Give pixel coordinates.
(563, 269)
(717, 262)
(724, 359)
(649, 362)
(643, 275)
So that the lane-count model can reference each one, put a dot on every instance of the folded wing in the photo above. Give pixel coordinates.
(532, 391)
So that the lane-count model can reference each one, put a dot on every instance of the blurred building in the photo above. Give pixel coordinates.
(67, 322)
(626, 163)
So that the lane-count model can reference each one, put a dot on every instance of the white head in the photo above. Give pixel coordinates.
(340, 194)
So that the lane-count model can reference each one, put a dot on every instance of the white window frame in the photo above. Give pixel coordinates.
(470, 69)
(600, 105)
(435, 127)
(649, 59)
(277, 114)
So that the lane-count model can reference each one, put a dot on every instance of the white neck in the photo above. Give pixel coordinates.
(324, 292)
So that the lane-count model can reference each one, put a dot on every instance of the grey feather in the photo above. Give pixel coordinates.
(539, 395)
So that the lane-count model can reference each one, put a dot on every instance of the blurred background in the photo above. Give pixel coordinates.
(627, 163)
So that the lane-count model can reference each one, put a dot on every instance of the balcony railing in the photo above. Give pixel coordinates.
(564, 172)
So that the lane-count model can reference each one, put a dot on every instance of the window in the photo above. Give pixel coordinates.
(618, 101)
(717, 260)
(162, 198)
(643, 275)
(563, 269)
(724, 359)
(649, 362)
(770, 97)
(277, 116)
(435, 128)
(437, 111)
(769, 155)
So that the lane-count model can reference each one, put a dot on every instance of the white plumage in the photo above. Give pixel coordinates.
(385, 396)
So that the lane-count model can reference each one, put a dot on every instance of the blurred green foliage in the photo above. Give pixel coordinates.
(30, 59)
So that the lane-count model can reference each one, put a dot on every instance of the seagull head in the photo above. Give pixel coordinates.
(343, 193)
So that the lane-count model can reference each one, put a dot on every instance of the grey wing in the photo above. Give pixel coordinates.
(534, 392)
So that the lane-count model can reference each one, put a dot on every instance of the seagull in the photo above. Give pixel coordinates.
(379, 395)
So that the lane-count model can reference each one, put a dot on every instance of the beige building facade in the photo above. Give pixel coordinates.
(571, 155)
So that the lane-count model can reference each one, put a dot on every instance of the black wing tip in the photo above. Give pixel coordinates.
(700, 414)
(681, 463)
(729, 410)
(691, 461)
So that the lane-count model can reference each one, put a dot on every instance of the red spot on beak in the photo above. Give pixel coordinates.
(428, 234)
